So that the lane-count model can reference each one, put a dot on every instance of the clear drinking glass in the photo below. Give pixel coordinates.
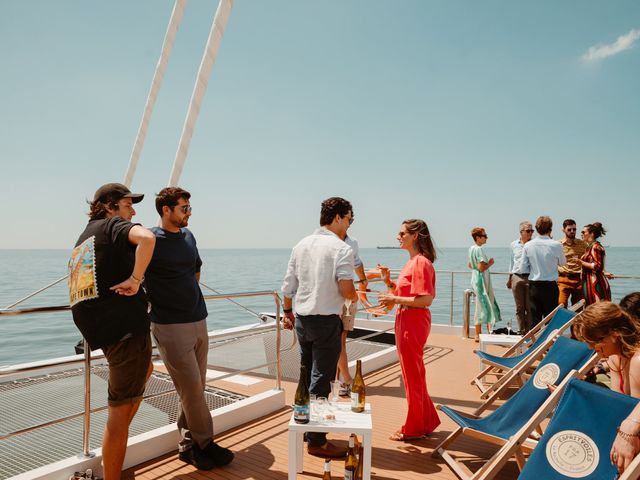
(509, 327)
(335, 390)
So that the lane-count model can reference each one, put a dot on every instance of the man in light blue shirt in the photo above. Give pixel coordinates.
(542, 256)
(518, 280)
(320, 278)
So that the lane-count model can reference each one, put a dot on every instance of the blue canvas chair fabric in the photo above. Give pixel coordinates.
(578, 439)
(560, 320)
(523, 408)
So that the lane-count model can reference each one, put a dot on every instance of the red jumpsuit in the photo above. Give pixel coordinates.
(412, 328)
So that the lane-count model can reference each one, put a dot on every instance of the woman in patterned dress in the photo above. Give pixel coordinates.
(594, 282)
(487, 310)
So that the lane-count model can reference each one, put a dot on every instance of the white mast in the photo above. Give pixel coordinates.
(213, 43)
(174, 23)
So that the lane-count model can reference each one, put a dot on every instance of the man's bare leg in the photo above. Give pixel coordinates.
(343, 361)
(116, 435)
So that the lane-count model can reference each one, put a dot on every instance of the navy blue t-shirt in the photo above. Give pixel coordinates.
(170, 279)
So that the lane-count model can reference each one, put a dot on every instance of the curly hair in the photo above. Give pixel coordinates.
(334, 206)
(424, 242)
(98, 209)
(602, 319)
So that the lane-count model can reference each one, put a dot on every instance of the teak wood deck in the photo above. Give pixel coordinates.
(261, 446)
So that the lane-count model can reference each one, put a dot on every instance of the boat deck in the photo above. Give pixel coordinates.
(261, 447)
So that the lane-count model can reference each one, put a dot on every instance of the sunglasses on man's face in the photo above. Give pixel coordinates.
(528, 230)
(185, 208)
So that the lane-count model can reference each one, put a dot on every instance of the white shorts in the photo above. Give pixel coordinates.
(349, 316)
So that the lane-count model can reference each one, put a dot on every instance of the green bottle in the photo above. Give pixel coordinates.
(301, 403)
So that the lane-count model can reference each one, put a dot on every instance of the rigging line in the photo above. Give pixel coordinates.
(167, 45)
(208, 59)
(34, 293)
(262, 318)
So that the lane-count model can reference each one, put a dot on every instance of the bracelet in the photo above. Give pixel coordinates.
(137, 280)
(391, 285)
(287, 310)
(627, 436)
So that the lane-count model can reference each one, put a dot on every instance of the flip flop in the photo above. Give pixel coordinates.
(401, 437)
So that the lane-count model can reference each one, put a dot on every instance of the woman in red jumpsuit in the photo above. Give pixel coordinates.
(413, 292)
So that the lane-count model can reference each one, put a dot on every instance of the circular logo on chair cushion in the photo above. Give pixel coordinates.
(546, 375)
(572, 454)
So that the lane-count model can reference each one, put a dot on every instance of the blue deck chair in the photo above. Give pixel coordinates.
(577, 441)
(523, 412)
(556, 323)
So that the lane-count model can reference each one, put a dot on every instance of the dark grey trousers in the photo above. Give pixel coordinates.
(184, 348)
(319, 339)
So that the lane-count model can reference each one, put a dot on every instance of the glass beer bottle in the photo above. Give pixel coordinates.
(360, 469)
(301, 403)
(358, 390)
(327, 469)
(351, 463)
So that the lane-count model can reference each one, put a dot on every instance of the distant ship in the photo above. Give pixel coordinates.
(387, 248)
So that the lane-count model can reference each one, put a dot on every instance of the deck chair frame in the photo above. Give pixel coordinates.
(500, 371)
(517, 444)
(633, 470)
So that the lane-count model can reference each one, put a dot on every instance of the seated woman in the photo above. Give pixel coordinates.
(614, 334)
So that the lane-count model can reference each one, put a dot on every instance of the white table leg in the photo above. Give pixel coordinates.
(366, 452)
(300, 451)
(293, 455)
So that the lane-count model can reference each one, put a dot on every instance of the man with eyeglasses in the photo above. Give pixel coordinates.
(179, 325)
(569, 275)
(542, 256)
(320, 278)
(518, 280)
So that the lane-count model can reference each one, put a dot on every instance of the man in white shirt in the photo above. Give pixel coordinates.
(320, 278)
(542, 256)
(518, 280)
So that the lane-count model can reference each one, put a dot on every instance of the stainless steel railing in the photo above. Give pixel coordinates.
(87, 358)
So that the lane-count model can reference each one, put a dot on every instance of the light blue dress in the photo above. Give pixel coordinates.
(487, 310)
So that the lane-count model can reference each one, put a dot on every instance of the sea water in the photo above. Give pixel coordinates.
(41, 336)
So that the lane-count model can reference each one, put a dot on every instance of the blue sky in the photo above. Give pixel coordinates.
(461, 113)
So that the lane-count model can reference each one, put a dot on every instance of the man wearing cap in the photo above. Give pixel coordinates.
(179, 325)
(570, 274)
(109, 308)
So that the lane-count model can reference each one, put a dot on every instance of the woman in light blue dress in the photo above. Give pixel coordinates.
(487, 310)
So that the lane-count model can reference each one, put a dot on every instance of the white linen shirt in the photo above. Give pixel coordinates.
(353, 243)
(542, 256)
(316, 265)
(516, 259)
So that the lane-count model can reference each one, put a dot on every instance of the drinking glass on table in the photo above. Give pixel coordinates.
(335, 392)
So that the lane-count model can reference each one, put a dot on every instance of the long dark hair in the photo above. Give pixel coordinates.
(424, 242)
